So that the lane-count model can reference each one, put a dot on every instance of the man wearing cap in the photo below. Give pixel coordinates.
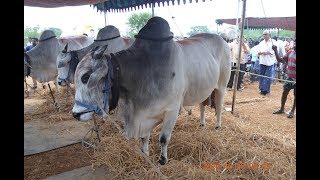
(267, 59)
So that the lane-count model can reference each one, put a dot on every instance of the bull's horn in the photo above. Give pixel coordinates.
(99, 52)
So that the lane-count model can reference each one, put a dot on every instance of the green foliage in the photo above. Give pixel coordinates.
(136, 22)
(57, 31)
(257, 33)
(32, 32)
(197, 30)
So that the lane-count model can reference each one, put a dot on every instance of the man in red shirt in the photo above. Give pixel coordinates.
(290, 59)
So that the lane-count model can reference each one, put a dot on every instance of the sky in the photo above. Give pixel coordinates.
(73, 20)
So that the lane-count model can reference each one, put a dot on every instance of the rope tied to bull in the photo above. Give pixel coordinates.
(41, 40)
(53, 102)
(110, 87)
(97, 40)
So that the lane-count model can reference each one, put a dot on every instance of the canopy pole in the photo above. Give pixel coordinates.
(239, 56)
(152, 9)
(238, 14)
(105, 14)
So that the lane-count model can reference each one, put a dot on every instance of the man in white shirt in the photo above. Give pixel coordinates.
(266, 59)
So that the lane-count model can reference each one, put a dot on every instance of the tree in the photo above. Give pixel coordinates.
(197, 30)
(57, 31)
(136, 22)
(32, 32)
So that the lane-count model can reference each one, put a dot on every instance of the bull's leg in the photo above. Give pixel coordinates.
(202, 118)
(145, 141)
(165, 134)
(34, 83)
(218, 100)
(56, 84)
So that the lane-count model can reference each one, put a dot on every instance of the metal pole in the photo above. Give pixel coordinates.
(152, 9)
(240, 48)
(105, 14)
(238, 13)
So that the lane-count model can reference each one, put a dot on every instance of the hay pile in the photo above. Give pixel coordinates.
(47, 110)
(251, 144)
(237, 150)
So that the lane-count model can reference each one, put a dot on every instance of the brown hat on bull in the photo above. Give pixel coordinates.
(156, 29)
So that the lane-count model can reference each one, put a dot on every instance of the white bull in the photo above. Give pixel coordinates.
(40, 61)
(67, 61)
(153, 79)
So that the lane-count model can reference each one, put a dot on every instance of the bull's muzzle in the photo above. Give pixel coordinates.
(76, 115)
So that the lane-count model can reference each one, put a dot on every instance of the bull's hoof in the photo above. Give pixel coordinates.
(202, 125)
(189, 112)
(217, 127)
(162, 160)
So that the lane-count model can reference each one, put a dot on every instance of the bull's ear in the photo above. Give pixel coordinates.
(94, 48)
(98, 74)
(65, 50)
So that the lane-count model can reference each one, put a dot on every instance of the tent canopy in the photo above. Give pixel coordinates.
(107, 5)
(287, 23)
(59, 3)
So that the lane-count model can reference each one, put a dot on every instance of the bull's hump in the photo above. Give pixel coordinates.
(189, 41)
(73, 38)
(126, 40)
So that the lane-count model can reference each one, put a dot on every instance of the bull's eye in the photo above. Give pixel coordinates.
(85, 78)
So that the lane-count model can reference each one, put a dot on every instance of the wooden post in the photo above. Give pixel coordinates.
(238, 64)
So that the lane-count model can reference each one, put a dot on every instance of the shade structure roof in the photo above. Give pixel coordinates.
(105, 5)
(59, 3)
(287, 23)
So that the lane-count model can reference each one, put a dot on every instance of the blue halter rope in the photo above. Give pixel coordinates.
(106, 91)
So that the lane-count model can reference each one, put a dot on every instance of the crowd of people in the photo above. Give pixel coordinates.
(264, 59)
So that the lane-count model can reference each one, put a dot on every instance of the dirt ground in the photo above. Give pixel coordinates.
(254, 110)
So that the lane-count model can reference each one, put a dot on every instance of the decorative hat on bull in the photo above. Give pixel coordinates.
(46, 35)
(107, 33)
(156, 29)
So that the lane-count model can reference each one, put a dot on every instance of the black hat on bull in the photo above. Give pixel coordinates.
(156, 29)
